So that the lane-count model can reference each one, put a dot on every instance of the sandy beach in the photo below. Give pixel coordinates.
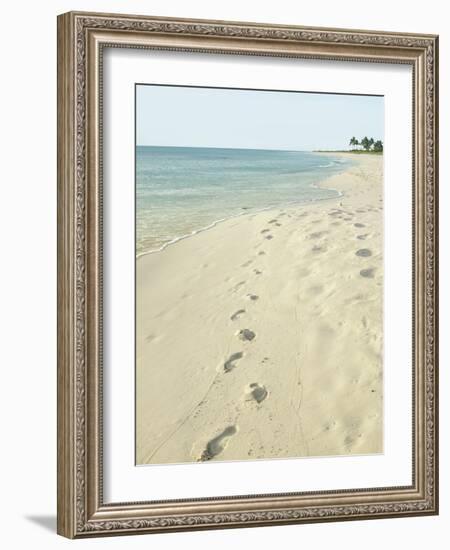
(262, 336)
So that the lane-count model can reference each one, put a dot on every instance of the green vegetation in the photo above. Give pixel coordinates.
(369, 145)
(365, 146)
(350, 152)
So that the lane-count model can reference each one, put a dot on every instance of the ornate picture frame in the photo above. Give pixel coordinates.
(82, 38)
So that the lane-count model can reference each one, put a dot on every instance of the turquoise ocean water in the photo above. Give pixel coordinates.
(182, 190)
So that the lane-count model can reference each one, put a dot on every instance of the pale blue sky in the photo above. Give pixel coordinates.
(214, 117)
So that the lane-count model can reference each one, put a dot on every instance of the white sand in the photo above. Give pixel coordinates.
(309, 382)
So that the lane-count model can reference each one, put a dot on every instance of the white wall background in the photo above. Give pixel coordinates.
(28, 270)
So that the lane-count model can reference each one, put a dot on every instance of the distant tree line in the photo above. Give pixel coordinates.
(367, 144)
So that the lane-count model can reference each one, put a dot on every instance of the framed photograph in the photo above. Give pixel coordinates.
(247, 276)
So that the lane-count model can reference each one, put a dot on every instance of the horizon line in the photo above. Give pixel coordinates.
(243, 148)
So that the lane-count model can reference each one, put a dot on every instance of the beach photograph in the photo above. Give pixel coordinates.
(259, 274)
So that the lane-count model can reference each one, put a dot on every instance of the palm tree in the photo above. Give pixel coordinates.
(371, 142)
(378, 146)
(354, 142)
(365, 142)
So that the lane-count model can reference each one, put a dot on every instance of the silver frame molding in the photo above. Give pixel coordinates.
(81, 39)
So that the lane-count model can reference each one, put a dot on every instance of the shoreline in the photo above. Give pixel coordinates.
(270, 207)
(262, 337)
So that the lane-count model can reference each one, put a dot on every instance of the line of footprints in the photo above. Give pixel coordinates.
(255, 392)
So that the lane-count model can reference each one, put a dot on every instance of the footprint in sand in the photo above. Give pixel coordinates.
(317, 234)
(246, 335)
(269, 237)
(316, 289)
(252, 297)
(216, 445)
(359, 225)
(363, 252)
(261, 253)
(303, 272)
(273, 221)
(238, 285)
(317, 249)
(257, 392)
(247, 263)
(265, 230)
(257, 272)
(237, 314)
(348, 442)
(368, 273)
(362, 237)
(229, 364)
(329, 425)
(278, 224)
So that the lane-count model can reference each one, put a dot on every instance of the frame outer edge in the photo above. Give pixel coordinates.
(436, 163)
(66, 524)
(239, 23)
(436, 271)
(75, 482)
